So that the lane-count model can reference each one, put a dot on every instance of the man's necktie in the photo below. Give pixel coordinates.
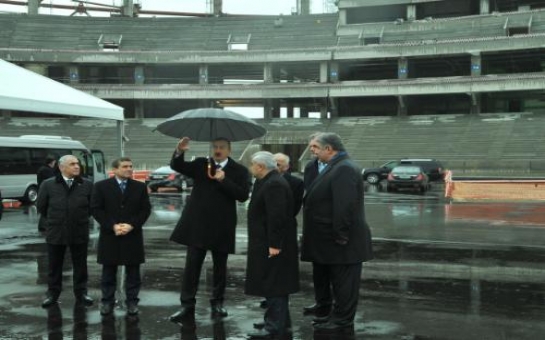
(69, 182)
(122, 186)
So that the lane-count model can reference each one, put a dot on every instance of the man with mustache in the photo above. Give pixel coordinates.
(208, 221)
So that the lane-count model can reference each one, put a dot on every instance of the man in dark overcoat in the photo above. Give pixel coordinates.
(64, 202)
(47, 170)
(323, 295)
(208, 220)
(272, 268)
(121, 206)
(336, 236)
(296, 184)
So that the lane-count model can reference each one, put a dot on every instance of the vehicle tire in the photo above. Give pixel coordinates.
(372, 178)
(31, 194)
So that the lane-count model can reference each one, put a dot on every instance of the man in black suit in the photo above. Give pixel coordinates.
(323, 296)
(296, 184)
(64, 201)
(336, 236)
(272, 268)
(121, 206)
(208, 221)
(47, 170)
(297, 189)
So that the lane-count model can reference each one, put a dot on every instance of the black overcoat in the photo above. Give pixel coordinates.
(297, 190)
(66, 210)
(334, 210)
(110, 206)
(209, 217)
(271, 223)
(310, 173)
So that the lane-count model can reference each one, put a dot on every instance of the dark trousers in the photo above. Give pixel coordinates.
(322, 284)
(277, 316)
(78, 253)
(108, 283)
(192, 273)
(345, 279)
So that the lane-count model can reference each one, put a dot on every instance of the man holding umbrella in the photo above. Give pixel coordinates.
(208, 220)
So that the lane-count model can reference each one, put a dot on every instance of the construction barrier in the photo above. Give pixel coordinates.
(495, 190)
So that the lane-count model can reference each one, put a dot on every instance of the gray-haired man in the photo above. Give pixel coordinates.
(64, 201)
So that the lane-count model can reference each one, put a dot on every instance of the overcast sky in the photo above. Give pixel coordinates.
(229, 6)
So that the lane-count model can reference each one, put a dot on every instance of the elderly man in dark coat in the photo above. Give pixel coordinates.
(336, 236)
(272, 269)
(323, 296)
(121, 206)
(208, 221)
(64, 201)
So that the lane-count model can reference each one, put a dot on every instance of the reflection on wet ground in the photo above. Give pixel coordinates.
(442, 271)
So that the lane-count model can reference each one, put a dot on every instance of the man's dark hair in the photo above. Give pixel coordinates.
(222, 139)
(49, 159)
(331, 139)
(117, 162)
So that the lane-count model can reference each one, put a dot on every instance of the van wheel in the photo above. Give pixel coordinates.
(31, 194)
(372, 178)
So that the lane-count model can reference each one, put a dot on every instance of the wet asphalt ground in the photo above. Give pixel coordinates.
(442, 271)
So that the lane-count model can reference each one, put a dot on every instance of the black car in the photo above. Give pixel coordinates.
(431, 167)
(165, 177)
(407, 177)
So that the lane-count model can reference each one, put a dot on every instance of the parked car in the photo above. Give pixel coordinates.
(407, 176)
(432, 168)
(165, 177)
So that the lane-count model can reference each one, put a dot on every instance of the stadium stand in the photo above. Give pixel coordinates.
(491, 142)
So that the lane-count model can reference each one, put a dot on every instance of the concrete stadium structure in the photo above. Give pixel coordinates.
(458, 80)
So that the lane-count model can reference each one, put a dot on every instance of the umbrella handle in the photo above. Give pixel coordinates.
(209, 171)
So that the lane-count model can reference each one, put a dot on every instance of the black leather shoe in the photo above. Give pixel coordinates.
(84, 300)
(132, 308)
(261, 334)
(49, 301)
(259, 325)
(320, 319)
(332, 326)
(218, 311)
(106, 308)
(316, 309)
(184, 314)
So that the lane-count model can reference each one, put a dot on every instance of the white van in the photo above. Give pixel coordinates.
(21, 157)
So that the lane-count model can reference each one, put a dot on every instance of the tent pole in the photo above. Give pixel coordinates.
(120, 141)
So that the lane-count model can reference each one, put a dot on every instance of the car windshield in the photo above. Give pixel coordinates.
(390, 164)
(406, 170)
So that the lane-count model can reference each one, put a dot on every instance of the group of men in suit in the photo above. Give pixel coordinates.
(120, 205)
(336, 238)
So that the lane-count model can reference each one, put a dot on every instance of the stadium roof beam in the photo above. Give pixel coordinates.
(111, 10)
(373, 3)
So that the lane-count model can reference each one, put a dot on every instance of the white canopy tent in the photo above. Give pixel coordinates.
(24, 90)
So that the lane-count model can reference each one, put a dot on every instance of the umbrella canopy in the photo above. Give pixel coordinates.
(205, 125)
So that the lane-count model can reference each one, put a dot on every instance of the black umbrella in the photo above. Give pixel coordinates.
(205, 125)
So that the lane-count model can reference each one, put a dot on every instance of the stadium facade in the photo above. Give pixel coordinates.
(459, 80)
